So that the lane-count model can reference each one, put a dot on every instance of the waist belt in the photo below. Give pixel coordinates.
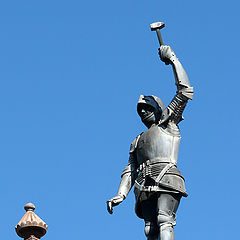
(157, 180)
(152, 162)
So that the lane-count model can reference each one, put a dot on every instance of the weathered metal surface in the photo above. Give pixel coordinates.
(152, 165)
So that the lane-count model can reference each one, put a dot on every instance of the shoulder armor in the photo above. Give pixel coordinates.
(134, 144)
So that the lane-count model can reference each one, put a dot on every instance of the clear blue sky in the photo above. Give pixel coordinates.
(71, 73)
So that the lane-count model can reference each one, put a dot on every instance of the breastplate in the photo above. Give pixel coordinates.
(158, 142)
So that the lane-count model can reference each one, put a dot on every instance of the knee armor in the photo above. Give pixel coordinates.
(166, 221)
(164, 218)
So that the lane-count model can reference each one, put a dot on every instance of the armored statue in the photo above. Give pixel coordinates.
(152, 166)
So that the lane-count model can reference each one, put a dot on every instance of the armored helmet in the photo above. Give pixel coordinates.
(153, 101)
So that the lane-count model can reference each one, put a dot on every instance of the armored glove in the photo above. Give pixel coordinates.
(114, 202)
(166, 54)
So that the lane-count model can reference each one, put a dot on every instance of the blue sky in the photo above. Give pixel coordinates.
(71, 73)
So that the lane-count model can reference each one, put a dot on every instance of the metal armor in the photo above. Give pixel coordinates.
(156, 150)
(158, 143)
(153, 155)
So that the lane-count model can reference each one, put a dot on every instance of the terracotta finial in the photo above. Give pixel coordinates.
(29, 207)
(31, 226)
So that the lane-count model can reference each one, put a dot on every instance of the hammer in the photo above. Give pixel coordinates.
(156, 27)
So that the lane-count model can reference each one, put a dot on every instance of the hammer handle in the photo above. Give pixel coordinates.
(159, 37)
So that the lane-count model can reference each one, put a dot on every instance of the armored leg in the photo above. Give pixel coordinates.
(148, 208)
(167, 206)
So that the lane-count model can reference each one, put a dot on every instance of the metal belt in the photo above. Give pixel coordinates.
(146, 188)
(152, 162)
(161, 174)
(158, 179)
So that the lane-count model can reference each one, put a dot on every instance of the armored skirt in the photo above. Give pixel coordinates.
(145, 187)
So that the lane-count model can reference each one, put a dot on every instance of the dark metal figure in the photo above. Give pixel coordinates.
(152, 165)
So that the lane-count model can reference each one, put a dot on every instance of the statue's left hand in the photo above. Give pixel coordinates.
(114, 202)
(166, 54)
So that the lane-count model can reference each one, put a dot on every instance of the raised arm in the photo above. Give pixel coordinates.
(184, 90)
(128, 178)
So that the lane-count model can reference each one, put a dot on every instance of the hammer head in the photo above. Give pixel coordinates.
(157, 25)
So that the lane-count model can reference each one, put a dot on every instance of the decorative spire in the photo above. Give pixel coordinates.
(31, 227)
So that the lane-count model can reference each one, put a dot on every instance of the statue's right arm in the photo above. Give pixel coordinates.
(184, 90)
(128, 178)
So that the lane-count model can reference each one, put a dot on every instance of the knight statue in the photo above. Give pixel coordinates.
(152, 165)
